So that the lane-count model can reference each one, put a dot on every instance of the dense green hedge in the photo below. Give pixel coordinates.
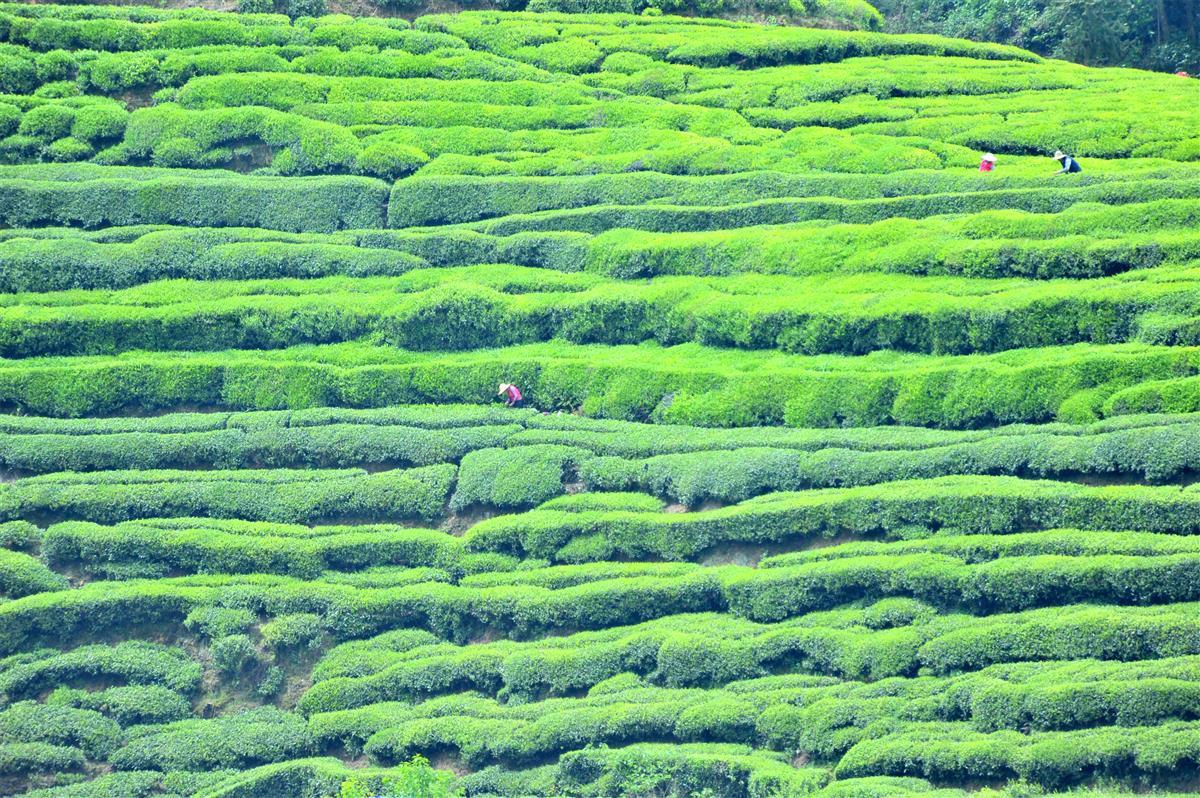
(57, 30)
(269, 495)
(17, 759)
(134, 662)
(1158, 454)
(703, 42)
(517, 477)
(293, 777)
(243, 740)
(965, 504)
(985, 548)
(806, 250)
(127, 705)
(596, 219)
(23, 575)
(611, 438)
(272, 445)
(706, 386)
(685, 463)
(1054, 759)
(460, 612)
(240, 253)
(135, 784)
(326, 204)
(1066, 633)
(203, 549)
(449, 610)
(891, 638)
(755, 197)
(492, 306)
(822, 717)
(418, 669)
(29, 721)
(1004, 585)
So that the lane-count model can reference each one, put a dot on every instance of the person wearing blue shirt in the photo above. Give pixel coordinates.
(1069, 164)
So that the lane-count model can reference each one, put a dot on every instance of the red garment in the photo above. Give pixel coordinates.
(514, 394)
(986, 166)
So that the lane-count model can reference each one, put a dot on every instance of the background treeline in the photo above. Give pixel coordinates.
(1153, 34)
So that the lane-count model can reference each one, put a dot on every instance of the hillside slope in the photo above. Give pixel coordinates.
(845, 469)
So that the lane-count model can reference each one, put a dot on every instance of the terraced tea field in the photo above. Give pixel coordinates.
(844, 468)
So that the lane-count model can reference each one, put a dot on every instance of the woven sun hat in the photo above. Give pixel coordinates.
(504, 386)
(1059, 155)
(990, 157)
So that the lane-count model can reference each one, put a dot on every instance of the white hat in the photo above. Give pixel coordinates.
(1059, 155)
(990, 157)
(504, 386)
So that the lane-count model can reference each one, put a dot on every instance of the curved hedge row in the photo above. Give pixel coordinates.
(967, 505)
(892, 638)
(272, 445)
(85, 729)
(710, 201)
(252, 737)
(706, 386)
(1156, 454)
(203, 549)
(481, 426)
(22, 575)
(1056, 759)
(788, 713)
(133, 662)
(491, 306)
(323, 205)
(276, 495)
(704, 42)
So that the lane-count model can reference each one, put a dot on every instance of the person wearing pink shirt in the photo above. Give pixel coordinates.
(511, 393)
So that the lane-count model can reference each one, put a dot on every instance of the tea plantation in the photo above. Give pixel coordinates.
(844, 469)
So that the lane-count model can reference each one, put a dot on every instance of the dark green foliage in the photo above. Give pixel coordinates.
(136, 784)
(519, 477)
(47, 122)
(293, 631)
(177, 254)
(128, 705)
(1134, 34)
(329, 204)
(965, 504)
(28, 721)
(18, 759)
(23, 575)
(133, 661)
(237, 741)
(18, 534)
(10, 117)
(272, 683)
(266, 439)
(305, 8)
(233, 654)
(219, 622)
(263, 496)
(192, 546)
(69, 149)
(390, 160)
(683, 770)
